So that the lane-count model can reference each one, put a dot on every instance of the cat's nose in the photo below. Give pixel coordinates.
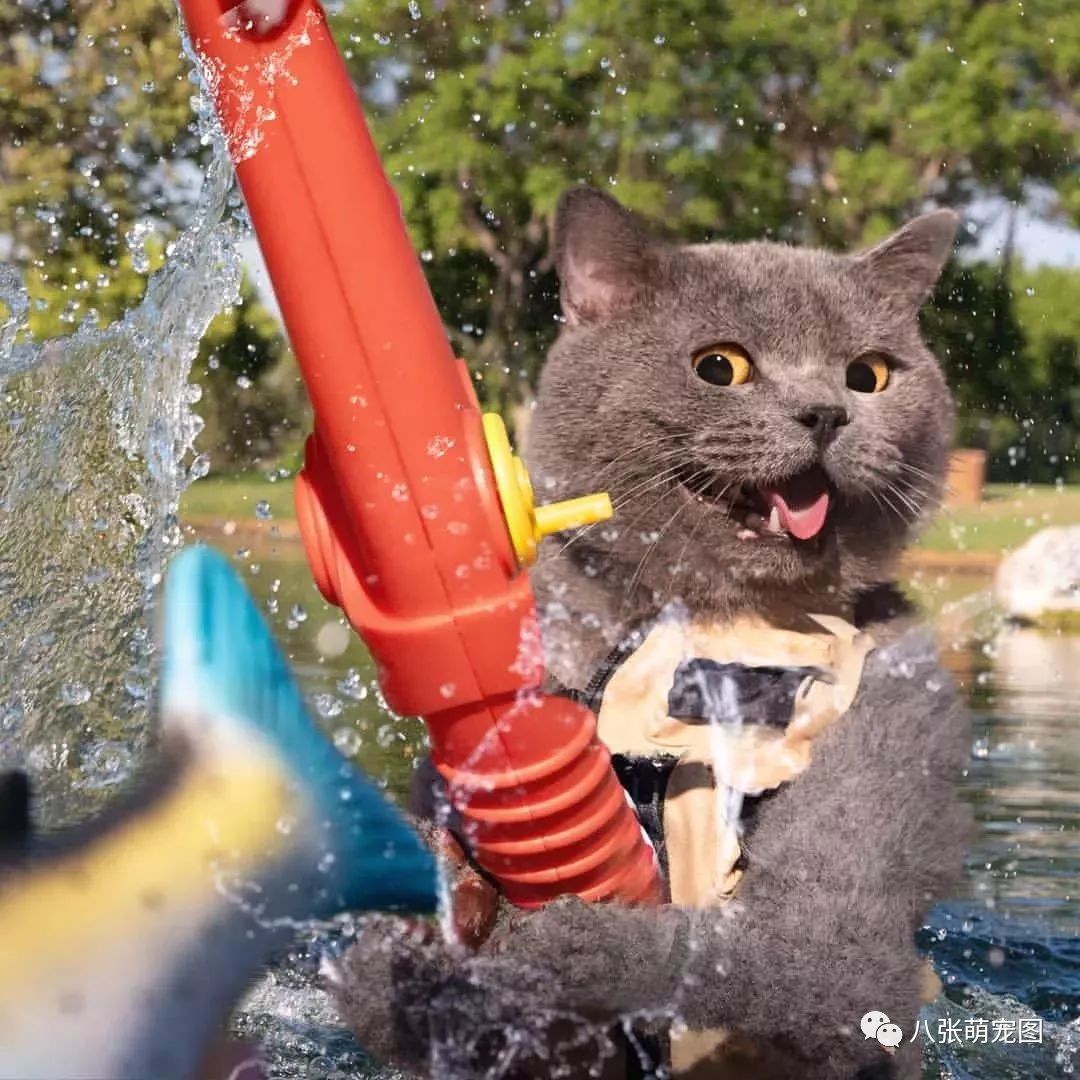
(823, 421)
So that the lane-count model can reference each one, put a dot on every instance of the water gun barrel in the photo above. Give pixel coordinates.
(415, 515)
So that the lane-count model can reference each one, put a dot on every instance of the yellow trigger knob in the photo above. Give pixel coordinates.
(528, 523)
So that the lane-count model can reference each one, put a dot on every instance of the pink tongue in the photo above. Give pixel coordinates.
(802, 505)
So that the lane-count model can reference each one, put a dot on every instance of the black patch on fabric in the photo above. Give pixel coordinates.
(646, 1054)
(645, 780)
(593, 694)
(14, 811)
(763, 695)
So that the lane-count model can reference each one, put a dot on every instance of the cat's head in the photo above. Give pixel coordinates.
(767, 419)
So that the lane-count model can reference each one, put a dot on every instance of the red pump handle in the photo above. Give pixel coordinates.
(397, 503)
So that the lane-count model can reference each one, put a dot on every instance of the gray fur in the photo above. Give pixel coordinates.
(845, 860)
(843, 864)
(619, 408)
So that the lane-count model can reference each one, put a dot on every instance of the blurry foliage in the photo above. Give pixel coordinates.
(100, 163)
(1010, 343)
(253, 404)
(94, 128)
(826, 123)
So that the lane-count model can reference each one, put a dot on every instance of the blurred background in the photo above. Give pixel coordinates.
(142, 363)
(827, 123)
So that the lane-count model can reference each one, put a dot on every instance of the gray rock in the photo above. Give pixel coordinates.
(1040, 580)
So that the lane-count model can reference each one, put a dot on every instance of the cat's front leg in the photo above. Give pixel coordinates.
(845, 861)
(843, 864)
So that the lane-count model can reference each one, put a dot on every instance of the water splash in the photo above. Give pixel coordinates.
(95, 436)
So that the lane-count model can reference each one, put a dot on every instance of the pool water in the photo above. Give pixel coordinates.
(1006, 945)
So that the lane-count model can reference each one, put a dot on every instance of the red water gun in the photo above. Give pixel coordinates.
(417, 518)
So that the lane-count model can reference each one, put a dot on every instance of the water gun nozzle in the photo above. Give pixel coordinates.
(528, 523)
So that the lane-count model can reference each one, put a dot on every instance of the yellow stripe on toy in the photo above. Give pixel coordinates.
(217, 822)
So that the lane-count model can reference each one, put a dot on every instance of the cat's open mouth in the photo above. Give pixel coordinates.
(792, 509)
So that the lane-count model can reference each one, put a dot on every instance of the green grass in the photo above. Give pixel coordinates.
(235, 498)
(1008, 516)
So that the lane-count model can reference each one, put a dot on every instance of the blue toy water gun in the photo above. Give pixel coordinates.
(125, 943)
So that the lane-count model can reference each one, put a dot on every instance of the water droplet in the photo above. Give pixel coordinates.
(348, 741)
(136, 239)
(414, 10)
(262, 510)
(439, 445)
(75, 693)
(353, 685)
(327, 706)
(332, 639)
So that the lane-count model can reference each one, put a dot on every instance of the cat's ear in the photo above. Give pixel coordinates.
(604, 256)
(907, 264)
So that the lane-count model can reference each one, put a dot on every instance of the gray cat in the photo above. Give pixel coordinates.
(629, 401)
(771, 427)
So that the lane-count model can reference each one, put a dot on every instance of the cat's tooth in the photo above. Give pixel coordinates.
(747, 534)
(774, 520)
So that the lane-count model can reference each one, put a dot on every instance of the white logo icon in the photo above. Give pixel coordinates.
(876, 1025)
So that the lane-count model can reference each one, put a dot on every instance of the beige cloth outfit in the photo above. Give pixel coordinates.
(719, 762)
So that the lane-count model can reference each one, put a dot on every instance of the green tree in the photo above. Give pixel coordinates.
(824, 123)
(100, 162)
(253, 404)
(94, 137)
(1009, 337)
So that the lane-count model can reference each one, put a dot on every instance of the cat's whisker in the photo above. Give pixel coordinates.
(908, 467)
(930, 496)
(638, 570)
(645, 488)
(663, 494)
(631, 588)
(583, 531)
(880, 505)
(899, 513)
(608, 465)
(910, 503)
(634, 493)
(922, 490)
(677, 568)
(933, 481)
(672, 463)
(665, 462)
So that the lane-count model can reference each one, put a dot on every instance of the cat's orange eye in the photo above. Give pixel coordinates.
(868, 374)
(723, 365)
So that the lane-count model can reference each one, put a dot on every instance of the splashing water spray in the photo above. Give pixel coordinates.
(96, 432)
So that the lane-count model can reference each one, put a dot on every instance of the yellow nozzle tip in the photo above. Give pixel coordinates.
(527, 523)
(573, 514)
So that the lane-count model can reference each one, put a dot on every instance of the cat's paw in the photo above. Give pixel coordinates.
(474, 901)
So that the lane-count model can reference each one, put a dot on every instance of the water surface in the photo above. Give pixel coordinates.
(1006, 944)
